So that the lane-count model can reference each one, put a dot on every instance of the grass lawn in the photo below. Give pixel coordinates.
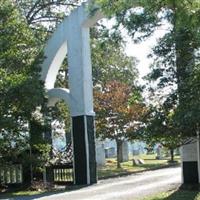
(127, 167)
(177, 195)
(25, 193)
(20, 194)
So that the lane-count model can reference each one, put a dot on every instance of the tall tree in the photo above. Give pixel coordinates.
(160, 127)
(42, 18)
(44, 15)
(20, 87)
(176, 52)
(39, 11)
(115, 91)
(119, 111)
(109, 60)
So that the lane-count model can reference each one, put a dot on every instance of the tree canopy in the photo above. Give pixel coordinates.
(119, 111)
(20, 88)
(176, 57)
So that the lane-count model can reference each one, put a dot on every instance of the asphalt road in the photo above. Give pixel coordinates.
(131, 187)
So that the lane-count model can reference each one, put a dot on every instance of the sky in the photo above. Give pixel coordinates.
(141, 50)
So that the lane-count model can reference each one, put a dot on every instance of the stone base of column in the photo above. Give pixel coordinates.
(190, 172)
(84, 150)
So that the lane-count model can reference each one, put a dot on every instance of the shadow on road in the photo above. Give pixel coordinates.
(45, 194)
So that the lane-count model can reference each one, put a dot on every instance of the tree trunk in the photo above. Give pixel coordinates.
(119, 146)
(172, 155)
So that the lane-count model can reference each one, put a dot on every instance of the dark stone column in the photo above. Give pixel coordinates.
(190, 172)
(84, 150)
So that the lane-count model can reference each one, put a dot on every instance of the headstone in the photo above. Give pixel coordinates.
(135, 152)
(135, 161)
(100, 153)
(138, 148)
(138, 161)
(177, 151)
(141, 161)
(110, 152)
(123, 151)
(158, 152)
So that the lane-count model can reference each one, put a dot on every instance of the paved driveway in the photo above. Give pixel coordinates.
(131, 187)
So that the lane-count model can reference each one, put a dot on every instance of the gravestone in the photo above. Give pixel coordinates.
(135, 162)
(123, 152)
(159, 152)
(138, 161)
(136, 152)
(100, 153)
(110, 152)
(141, 161)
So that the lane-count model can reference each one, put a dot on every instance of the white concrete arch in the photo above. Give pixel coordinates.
(72, 38)
(56, 54)
(57, 94)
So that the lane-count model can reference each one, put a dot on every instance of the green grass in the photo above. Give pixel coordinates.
(176, 195)
(21, 193)
(127, 167)
(27, 193)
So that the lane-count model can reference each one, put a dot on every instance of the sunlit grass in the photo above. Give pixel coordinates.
(110, 169)
(27, 193)
(21, 193)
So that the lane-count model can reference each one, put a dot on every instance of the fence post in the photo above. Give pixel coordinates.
(49, 174)
(26, 175)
